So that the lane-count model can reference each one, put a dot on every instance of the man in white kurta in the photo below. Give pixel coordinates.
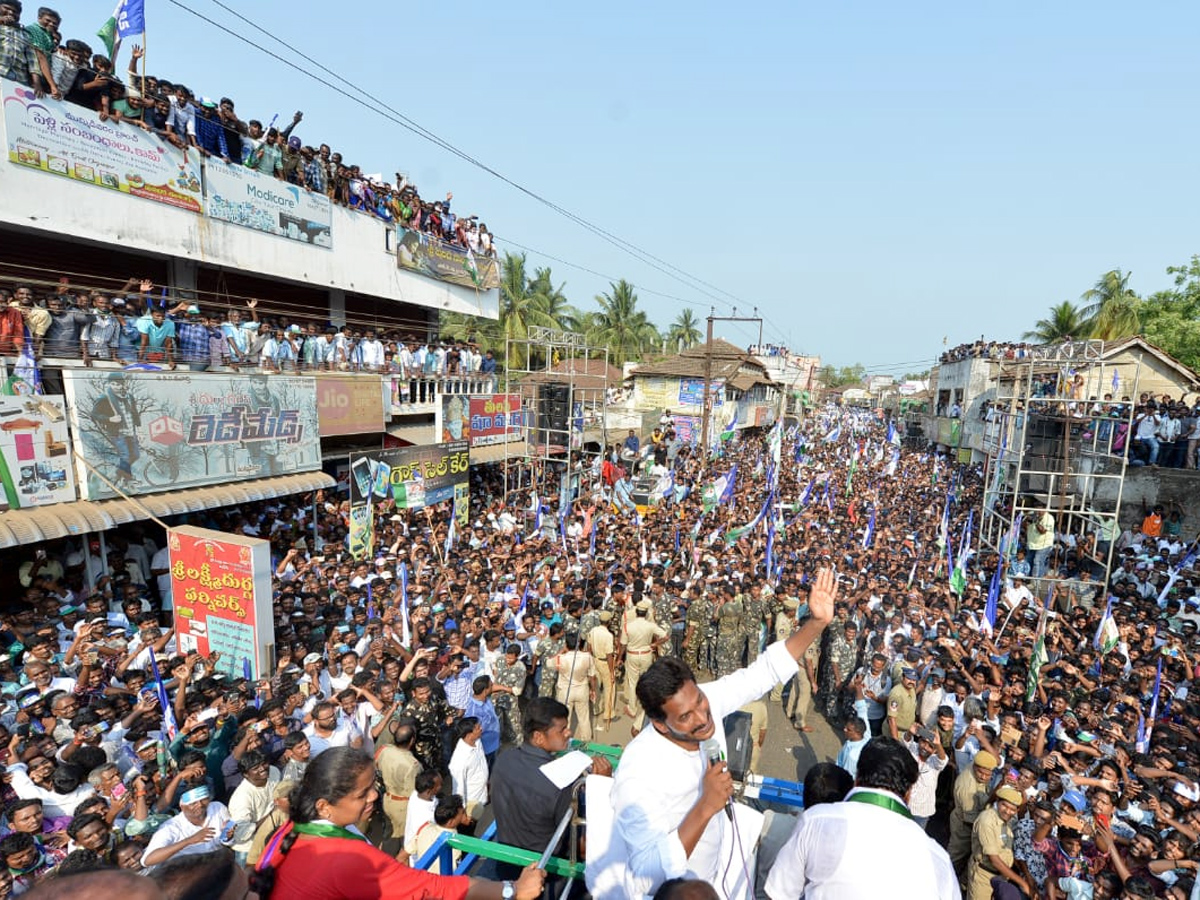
(861, 850)
(658, 784)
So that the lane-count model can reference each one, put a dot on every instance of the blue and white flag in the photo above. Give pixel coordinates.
(993, 601)
(1116, 382)
(170, 727)
(451, 533)
(129, 18)
(834, 434)
(1146, 724)
(869, 534)
(405, 632)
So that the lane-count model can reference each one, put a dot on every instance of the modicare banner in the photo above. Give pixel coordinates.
(221, 588)
(158, 431)
(420, 252)
(248, 198)
(70, 141)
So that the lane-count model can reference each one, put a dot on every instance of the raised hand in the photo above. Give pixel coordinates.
(823, 596)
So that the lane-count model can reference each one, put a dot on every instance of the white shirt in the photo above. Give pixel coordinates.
(177, 828)
(922, 800)
(469, 770)
(419, 812)
(53, 804)
(341, 737)
(658, 781)
(858, 851)
(162, 560)
(250, 804)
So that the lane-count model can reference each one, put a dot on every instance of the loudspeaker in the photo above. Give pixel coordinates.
(738, 742)
(553, 412)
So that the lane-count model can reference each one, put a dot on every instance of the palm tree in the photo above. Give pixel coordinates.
(552, 301)
(1065, 321)
(1112, 308)
(621, 326)
(520, 307)
(685, 331)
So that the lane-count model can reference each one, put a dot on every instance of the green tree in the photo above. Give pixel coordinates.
(833, 377)
(621, 326)
(1171, 319)
(685, 331)
(1112, 307)
(1065, 320)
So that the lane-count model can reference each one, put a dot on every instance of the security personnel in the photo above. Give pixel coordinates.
(731, 639)
(970, 799)
(600, 642)
(641, 639)
(398, 769)
(785, 624)
(992, 848)
(902, 704)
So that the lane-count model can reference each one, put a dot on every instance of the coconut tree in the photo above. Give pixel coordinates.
(621, 326)
(1112, 308)
(685, 331)
(1065, 321)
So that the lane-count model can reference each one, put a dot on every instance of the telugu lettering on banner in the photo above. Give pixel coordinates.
(426, 254)
(248, 198)
(68, 140)
(158, 431)
(482, 420)
(415, 477)
(687, 429)
(221, 589)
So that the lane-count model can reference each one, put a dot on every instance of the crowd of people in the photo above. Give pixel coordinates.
(141, 325)
(1018, 743)
(36, 55)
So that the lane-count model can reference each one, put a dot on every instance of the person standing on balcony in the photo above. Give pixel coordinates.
(239, 334)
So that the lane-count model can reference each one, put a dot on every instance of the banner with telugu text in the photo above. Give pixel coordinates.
(221, 589)
(67, 140)
(423, 253)
(159, 431)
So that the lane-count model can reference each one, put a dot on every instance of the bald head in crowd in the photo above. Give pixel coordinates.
(99, 885)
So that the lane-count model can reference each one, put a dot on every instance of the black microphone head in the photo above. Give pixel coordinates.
(711, 749)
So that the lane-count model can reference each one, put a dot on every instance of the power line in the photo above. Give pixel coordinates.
(386, 111)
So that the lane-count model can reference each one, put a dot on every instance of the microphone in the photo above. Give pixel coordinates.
(711, 749)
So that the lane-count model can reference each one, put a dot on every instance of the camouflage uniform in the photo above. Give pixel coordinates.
(546, 649)
(588, 621)
(507, 708)
(430, 717)
(664, 617)
(754, 610)
(730, 638)
(699, 617)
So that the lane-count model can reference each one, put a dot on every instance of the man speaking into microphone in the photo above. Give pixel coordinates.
(672, 790)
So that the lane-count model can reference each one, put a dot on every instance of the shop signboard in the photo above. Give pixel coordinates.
(349, 404)
(35, 458)
(159, 431)
(221, 588)
(70, 141)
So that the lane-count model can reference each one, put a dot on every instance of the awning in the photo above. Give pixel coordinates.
(496, 452)
(46, 523)
(418, 434)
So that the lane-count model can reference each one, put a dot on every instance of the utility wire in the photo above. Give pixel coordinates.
(383, 109)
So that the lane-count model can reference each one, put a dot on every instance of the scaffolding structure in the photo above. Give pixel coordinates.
(563, 383)
(1056, 445)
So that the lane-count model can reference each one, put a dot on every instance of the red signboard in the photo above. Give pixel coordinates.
(221, 588)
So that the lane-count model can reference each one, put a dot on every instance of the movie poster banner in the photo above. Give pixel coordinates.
(248, 198)
(458, 265)
(35, 458)
(64, 139)
(158, 431)
(221, 588)
(691, 392)
(482, 420)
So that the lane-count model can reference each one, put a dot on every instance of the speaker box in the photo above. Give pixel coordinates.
(553, 412)
(738, 741)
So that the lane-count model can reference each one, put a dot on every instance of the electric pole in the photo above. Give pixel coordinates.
(706, 418)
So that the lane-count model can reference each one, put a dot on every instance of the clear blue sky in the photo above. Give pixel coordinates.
(873, 176)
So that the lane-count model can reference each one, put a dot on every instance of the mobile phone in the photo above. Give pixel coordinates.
(360, 471)
(227, 832)
(119, 791)
(383, 478)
